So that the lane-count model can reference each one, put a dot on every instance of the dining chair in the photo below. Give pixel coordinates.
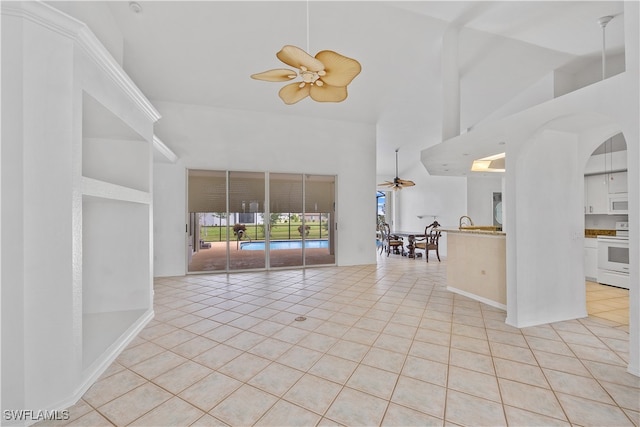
(429, 241)
(390, 242)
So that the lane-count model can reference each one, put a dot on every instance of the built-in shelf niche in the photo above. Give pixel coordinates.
(111, 150)
(116, 273)
(116, 217)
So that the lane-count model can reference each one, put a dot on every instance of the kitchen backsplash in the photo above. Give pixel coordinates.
(603, 222)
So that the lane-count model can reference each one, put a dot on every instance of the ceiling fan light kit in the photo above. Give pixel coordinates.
(397, 183)
(324, 77)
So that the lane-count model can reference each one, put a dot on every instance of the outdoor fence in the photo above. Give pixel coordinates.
(280, 231)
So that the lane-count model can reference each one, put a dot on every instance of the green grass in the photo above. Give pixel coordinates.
(278, 232)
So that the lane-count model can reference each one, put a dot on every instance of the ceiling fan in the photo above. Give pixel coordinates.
(324, 78)
(397, 183)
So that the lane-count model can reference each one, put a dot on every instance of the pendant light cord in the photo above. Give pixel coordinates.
(603, 23)
(604, 54)
(309, 52)
(396, 163)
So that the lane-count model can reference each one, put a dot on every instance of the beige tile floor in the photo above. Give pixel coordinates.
(608, 302)
(382, 344)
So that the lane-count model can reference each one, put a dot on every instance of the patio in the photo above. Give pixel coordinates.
(215, 258)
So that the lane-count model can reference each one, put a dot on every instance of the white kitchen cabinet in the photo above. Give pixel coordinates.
(590, 258)
(596, 194)
(617, 182)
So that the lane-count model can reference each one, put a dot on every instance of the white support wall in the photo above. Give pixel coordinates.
(550, 287)
(631, 129)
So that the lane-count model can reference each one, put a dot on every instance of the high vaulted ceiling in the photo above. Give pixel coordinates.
(203, 52)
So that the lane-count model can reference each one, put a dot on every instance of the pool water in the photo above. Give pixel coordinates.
(285, 244)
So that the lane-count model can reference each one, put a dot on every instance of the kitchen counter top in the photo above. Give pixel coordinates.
(473, 231)
(592, 233)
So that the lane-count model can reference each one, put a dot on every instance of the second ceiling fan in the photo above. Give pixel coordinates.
(397, 183)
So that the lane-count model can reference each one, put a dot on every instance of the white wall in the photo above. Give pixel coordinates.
(603, 222)
(535, 94)
(169, 236)
(247, 141)
(549, 287)
(480, 191)
(440, 196)
(42, 315)
(12, 320)
(592, 72)
(632, 134)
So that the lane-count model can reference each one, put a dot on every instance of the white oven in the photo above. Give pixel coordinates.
(613, 257)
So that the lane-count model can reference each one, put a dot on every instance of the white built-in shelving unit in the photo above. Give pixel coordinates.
(78, 280)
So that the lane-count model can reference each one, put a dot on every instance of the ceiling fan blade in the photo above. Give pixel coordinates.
(340, 69)
(406, 182)
(386, 184)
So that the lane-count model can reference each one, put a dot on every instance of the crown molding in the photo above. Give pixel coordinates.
(61, 23)
(164, 150)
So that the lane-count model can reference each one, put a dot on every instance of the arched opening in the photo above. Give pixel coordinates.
(550, 212)
(606, 244)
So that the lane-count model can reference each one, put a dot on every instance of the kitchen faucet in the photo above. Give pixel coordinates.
(468, 221)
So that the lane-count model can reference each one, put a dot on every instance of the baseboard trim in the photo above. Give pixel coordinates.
(478, 298)
(93, 372)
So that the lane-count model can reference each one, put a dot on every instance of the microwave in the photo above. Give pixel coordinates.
(618, 204)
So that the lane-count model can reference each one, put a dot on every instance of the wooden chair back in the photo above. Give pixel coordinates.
(430, 240)
(390, 241)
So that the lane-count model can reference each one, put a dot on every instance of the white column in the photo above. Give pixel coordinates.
(450, 84)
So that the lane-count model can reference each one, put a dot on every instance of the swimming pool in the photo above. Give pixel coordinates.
(285, 244)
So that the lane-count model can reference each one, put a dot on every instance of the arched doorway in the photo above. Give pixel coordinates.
(606, 244)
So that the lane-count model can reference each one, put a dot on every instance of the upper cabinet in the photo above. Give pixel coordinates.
(599, 191)
(596, 197)
(617, 182)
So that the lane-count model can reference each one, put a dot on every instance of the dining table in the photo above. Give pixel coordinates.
(411, 238)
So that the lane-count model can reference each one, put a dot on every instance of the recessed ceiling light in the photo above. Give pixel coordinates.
(501, 143)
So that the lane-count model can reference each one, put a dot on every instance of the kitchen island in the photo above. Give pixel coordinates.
(476, 265)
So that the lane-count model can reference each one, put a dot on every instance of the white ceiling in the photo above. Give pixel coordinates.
(203, 52)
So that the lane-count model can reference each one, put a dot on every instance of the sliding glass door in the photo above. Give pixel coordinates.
(207, 226)
(256, 220)
(286, 215)
(319, 217)
(246, 243)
